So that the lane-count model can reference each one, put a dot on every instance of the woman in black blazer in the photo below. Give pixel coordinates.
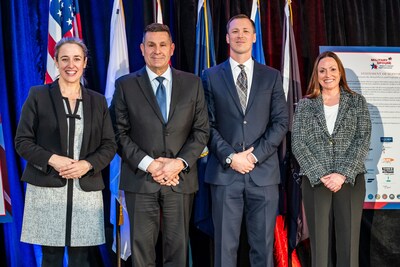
(66, 137)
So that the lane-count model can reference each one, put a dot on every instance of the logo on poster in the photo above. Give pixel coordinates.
(385, 139)
(388, 160)
(388, 170)
(381, 63)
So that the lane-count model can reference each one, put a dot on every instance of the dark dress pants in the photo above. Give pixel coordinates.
(340, 211)
(148, 213)
(54, 256)
(259, 205)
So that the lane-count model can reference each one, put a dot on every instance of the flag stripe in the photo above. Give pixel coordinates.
(50, 75)
(51, 43)
(54, 29)
(207, 35)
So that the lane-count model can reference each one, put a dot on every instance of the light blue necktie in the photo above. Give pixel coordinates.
(161, 96)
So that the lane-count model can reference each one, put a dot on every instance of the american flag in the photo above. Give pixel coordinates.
(64, 21)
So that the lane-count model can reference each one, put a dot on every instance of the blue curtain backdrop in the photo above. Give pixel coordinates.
(21, 39)
(23, 45)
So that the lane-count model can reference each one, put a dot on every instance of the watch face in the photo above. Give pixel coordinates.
(228, 160)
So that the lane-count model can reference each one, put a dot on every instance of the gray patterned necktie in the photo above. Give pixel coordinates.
(241, 87)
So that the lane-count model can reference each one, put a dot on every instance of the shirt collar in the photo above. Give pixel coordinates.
(248, 64)
(167, 74)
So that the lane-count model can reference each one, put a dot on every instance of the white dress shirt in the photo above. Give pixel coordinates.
(331, 113)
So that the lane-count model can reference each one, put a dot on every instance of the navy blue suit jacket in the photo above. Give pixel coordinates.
(263, 126)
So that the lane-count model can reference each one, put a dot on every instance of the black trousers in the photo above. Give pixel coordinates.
(340, 211)
(149, 213)
(54, 256)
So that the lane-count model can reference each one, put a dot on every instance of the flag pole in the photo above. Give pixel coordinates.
(118, 234)
(155, 10)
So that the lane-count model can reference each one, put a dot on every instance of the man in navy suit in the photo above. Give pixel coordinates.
(248, 120)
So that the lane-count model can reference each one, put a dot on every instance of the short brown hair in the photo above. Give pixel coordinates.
(314, 88)
(240, 16)
(157, 27)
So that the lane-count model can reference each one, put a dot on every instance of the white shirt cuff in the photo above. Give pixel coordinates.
(254, 157)
(184, 162)
(145, 162)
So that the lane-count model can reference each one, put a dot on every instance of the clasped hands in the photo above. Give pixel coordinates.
(69, 168)
(333, 181)
(243, 162)
(165, 171)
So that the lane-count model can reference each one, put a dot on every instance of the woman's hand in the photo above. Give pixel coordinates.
(58, 162)
(75, 170)
(333, 181)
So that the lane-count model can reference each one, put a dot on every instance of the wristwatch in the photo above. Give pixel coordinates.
(228, 160)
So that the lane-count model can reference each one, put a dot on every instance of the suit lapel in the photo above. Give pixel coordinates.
(318, 111)
(255, 84)
(230, 83)
(87, 119)
(343, 107)
(58, 107)
(145, 86)
(176, 87)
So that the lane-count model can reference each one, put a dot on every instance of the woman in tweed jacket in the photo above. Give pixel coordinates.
(330, 139)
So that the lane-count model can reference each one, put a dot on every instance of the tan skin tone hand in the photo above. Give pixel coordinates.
(165, 171)
(333, 181)
(69, 168)
(244, 161)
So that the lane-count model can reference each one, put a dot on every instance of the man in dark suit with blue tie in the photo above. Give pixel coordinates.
(161, 124)
(248, 120)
